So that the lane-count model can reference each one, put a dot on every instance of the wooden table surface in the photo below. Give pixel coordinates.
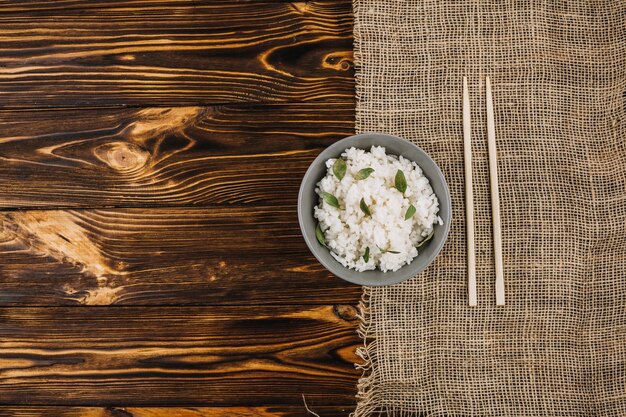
(151, 262)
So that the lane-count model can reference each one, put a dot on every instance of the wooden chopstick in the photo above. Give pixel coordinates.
(469, 198)
(495, 196)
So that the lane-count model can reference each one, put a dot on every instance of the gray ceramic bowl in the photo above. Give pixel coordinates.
(307, 199)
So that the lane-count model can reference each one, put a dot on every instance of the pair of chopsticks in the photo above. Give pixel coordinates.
(469, 196)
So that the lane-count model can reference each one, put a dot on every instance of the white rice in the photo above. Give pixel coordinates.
(349, 231)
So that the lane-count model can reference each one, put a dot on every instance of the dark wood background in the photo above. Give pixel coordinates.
(151, 262)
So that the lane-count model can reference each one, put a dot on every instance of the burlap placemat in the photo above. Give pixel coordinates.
(558, 347)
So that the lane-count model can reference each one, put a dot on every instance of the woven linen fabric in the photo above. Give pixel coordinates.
(558, 69)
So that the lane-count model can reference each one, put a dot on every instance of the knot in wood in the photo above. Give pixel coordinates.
(123, 156)
(339, 61)
(345, 312)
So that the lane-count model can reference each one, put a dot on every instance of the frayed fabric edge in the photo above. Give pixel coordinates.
(366, 404)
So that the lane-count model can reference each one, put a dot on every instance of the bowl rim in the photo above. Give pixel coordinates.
(323, 156)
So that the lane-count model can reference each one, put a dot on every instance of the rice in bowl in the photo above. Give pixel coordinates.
(375, 210)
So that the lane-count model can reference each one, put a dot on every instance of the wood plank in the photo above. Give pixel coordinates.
(197, 356)
(51, 6)
(176, 54)
(206, 256)
(164, 156)
(265, 411)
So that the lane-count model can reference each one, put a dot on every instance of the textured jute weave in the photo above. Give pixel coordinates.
(558, 347)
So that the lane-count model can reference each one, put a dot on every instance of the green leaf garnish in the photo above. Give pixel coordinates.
(387, 250)
(426, 239)
(364, 173)
(364, 208)
(320, 235)
(410, 212)
(400, 181)
(339, 168)
(330, 199)
(366, 255)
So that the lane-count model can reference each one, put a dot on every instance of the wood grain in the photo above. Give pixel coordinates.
(52, 6)
(207, 256)
(151, 262)
(174, 53)
(265, 411)
(164, 156)
(197, 356)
